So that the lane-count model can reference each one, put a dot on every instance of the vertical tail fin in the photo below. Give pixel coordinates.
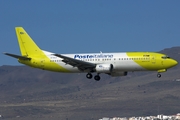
(27, 46)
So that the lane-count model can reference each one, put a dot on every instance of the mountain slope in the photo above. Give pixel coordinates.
(28, 93)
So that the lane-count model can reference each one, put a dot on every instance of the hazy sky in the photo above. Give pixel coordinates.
(83, 26)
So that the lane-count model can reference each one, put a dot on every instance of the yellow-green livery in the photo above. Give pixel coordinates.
(114, 64)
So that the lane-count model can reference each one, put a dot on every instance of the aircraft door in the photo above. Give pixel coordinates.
(153, 59)
(42, 63)
(162, 62)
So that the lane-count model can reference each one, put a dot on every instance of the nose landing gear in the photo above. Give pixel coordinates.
(158, 75)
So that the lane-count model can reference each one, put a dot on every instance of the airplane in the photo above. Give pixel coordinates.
(113, 64)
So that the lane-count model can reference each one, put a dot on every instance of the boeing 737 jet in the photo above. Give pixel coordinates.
(113, 64)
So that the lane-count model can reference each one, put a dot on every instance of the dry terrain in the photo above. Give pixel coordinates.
(32, 94)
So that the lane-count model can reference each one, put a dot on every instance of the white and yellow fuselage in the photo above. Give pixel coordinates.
(128, 61)
(114, 64)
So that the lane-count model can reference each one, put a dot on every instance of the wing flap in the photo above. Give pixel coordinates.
(81, 65)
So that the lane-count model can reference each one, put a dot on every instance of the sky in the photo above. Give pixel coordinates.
(89, 26)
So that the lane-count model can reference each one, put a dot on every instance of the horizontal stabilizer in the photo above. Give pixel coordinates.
(18, 56)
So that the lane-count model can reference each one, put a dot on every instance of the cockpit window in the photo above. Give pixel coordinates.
(165, 57)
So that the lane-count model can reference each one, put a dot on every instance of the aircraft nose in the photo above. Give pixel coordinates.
(174, 62)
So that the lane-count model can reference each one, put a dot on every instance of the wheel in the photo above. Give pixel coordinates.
(97, 77)
(89, 76)
(158, 75)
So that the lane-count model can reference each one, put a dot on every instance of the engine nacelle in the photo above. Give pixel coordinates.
(104, 68)
(116, 74)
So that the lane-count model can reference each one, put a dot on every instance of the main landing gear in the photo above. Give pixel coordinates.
(89, 76)
(96, 77)
(158, 75)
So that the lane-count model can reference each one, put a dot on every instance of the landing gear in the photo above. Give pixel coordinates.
(97, 77)
(89, 76)
(158, 75)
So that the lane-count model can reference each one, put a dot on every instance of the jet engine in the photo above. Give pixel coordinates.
(104, 68)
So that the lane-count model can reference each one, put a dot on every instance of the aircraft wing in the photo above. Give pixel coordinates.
(17, 56)
(82, 65)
